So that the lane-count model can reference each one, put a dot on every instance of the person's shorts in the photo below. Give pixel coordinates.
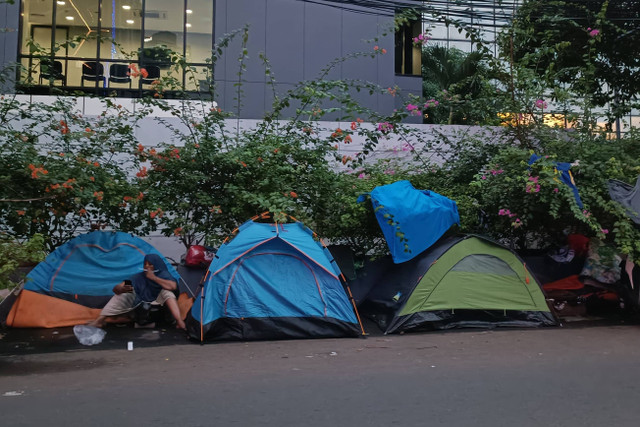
(123, 303)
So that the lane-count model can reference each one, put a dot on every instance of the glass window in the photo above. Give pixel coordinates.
(164, 26)
(91, 44)
(439, 31)
(122, 25)
(80, 19)
(122, 31)
(407, 53)
(199, 29)
(36, 18)
(464, 46)
(199, 36)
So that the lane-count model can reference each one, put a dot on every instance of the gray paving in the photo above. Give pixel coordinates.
(575, 376)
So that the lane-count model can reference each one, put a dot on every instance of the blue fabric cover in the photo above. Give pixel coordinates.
(266, 273)
(422, 216)
(564, 172)
(92, 264)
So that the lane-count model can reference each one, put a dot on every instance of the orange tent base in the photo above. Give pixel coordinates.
(184, 303)
(34, 310)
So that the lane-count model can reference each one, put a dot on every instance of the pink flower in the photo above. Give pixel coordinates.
(422, 39)
(517, 223)
(593, 33)
(555, 190)
(541, 104)
(413, 109)
(361, 176)
(532, 185)
(385, 127)
(604, 231)
(390, 172)
(532, 189)
(506, 212)
(431, 103)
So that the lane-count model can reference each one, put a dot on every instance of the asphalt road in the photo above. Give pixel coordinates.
(578, 376)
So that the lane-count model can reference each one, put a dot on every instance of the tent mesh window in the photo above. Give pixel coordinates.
(486, 264)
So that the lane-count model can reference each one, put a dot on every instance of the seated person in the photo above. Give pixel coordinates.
(154, 285)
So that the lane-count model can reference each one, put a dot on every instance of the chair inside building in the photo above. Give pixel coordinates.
(51, 71)
(93, 72)
(119, 73)
(153, 74)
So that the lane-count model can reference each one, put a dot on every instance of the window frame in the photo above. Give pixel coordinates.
(31, 86)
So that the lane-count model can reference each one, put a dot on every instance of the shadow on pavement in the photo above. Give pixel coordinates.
(31, 341)
(17, 342)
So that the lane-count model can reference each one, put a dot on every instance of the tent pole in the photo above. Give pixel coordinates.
(353, 302)
(187, 286)
(19, 285)
(202, 282)
(201, 315)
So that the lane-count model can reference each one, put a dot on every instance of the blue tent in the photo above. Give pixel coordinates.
(79, 276)
(411, 220)
(272, 281)
(91, 264)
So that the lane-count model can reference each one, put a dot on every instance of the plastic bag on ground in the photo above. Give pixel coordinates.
(89, 335)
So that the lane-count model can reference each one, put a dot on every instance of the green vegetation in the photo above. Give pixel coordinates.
(61, 173)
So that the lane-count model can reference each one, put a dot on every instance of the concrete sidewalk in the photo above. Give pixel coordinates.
(577, 376)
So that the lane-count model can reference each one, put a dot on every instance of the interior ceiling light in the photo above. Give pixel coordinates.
(188, 25)
(69, 18)
(130, 21)
(148, 39)
(126, 7)
(61, 2)
(189, 11)
(86, 24)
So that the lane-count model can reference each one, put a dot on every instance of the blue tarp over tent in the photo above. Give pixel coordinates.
(563, 170)
(91, 265)
(272, 281)
(421, 216)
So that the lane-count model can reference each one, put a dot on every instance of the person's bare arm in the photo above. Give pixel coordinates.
(169, 285)
(122, 288)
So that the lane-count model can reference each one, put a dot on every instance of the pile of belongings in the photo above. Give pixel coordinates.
(587, 278)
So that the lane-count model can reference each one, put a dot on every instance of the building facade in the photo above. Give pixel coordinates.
(87, 46)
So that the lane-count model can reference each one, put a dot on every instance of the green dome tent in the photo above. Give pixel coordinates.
(462, 281)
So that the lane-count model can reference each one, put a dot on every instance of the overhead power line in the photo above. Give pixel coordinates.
(482, 12)
(485, 13)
